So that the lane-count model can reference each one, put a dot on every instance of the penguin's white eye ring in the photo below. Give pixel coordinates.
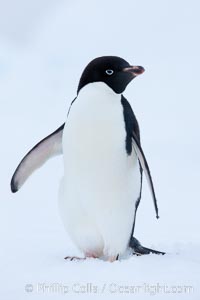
(109, 72)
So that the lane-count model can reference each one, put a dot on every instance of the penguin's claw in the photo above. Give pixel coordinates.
(74, 258)
(140, 250)
(113, 258)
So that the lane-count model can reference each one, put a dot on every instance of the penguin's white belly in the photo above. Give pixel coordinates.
(101, 182)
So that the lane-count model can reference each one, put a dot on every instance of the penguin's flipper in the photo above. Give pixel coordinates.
(36, 157)
(145, 167)
(141, 250)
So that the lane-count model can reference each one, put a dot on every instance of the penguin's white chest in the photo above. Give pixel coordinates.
(101, 182)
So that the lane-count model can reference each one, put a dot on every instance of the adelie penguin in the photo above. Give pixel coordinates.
(103, 162)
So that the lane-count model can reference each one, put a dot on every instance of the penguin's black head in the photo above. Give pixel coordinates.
(112, 70)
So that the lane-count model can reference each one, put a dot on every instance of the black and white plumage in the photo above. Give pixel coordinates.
(103, 161)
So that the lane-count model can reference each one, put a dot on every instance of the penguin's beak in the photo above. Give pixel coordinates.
(134, 70)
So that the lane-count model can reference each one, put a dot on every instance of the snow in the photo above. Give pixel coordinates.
(43, 49)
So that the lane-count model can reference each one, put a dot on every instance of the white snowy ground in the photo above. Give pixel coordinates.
(44, 46)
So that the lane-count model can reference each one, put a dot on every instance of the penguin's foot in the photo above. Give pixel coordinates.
(91, 255)
(113, 258)
(74, 258)
(140, 250)
(87, 255)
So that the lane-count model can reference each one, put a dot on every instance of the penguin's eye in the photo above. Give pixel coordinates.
(109, 72)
